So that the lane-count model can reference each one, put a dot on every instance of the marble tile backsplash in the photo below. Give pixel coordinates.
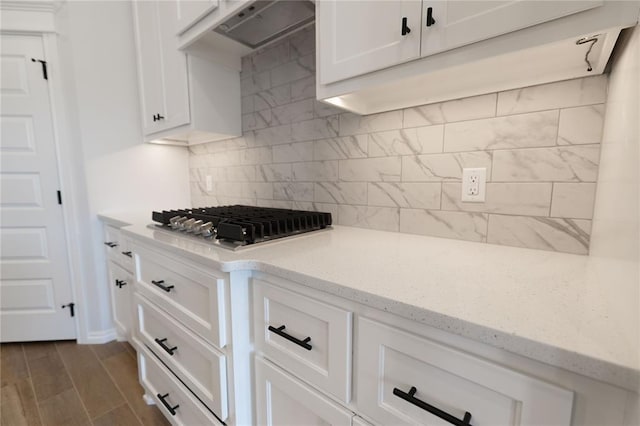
(400, 171)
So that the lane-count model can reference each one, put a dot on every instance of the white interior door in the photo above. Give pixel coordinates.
(34, 277)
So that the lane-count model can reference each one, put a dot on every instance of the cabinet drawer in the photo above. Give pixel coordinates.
(398, 373)
(202, 368)
(284, 400)
(193, 295)
(118, 248)
(284, 320)
(179, 406)
(120, 282)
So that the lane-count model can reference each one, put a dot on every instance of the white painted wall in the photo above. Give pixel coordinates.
(119, 172)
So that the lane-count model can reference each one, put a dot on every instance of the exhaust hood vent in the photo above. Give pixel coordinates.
(265, 21)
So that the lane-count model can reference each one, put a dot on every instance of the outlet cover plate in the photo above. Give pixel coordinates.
(474, 185)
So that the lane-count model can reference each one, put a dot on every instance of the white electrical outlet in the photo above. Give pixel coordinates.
(474, 185)
(209, 182)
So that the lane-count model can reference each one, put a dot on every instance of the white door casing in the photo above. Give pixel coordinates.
(35, 279)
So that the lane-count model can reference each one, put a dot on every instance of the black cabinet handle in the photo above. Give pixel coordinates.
(110, 244)
(280, 332)
(430, 20)
(160, 117)
(166, 348)
(155, 118)
(120, 283)
(168, 406)
(160, 284)
(405, 29)
(411, 399)
(127, 253)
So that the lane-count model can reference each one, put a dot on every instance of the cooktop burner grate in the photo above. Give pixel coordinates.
(242, 224)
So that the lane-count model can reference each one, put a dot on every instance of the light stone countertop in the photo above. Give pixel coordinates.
(576, 312)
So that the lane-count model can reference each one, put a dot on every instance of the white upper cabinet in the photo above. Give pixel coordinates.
(186, 98)
(162, 68)
(359, 38)
(451, 24)
(190, 11)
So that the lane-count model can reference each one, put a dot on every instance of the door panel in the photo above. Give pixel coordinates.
(190, 11)
(34, 280)
(357, 37)
(458, 23)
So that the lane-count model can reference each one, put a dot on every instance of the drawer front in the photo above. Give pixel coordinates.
(118, 248)
(284, 320)
(399, 374)
(202, 368)
(179, 406)
(193, 295)
(284, 400)
(121, 282)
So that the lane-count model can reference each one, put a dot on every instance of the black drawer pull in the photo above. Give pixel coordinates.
(127, 253)
(411, 399)
(120, 283)
(430, 20)
(171, 409)
(110, 244)
(280, 332)
(166, 348)
(160, 284)
(405, 28)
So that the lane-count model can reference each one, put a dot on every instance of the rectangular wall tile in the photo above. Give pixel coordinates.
(353, 124)
(561, 164)
(340, 148)
(318, 128)
(315, 171)
(371, 169)
(442, 167)
(294, 112)
(304, 88)
(446, 112)
(273, 135)
(274, 97)
(381, 218)
(563, 94)
(573, 200)
(271, 57)
(409, 195)
(457, 225)
(341, 192)
(273, 172)
(289, 153)
(530, 199)
(255, 156)
(255, 83)
(513, 131)
(420, 140)
(581, 125)
(565, 235)
(301, 67)
(293, 191)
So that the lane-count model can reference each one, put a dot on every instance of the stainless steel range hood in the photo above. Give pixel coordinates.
(264, 21)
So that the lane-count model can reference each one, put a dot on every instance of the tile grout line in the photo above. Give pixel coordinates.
(117, 386)
(75, 388)
(33, 388)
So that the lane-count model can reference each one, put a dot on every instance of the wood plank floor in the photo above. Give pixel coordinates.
(63, 383)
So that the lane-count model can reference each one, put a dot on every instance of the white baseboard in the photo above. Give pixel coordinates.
(99, 337)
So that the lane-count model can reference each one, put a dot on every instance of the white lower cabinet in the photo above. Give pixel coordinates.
(120, 283)
(174, 400)
(405, 379)
(282, 400)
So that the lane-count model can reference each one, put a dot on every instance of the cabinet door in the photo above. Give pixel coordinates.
(282, 400)
(356, 37)
(190, 11)
(120, 282)
(450, 24)
(175, 107)
(147, 36)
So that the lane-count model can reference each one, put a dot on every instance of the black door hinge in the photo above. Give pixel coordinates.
(71, 308)
(59, 197)
(44, 67)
